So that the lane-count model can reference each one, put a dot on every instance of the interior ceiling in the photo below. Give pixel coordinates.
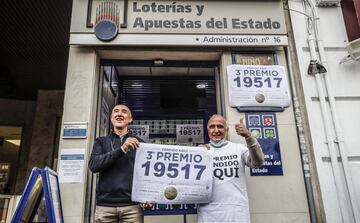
(10, 132)
(165, 71)
(34, 46)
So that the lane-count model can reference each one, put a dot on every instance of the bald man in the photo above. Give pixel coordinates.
(229, 199)
(113, 157)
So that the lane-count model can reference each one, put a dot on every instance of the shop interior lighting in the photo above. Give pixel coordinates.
(158, 62)
(136, 85)
(201, 86)
(14, 141)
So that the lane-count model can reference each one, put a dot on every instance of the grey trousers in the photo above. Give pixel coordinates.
(126, 214)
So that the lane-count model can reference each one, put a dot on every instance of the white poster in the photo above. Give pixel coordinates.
(71, 169)
(189, 133)
(141, 131)
(170, 174)
(252, 85)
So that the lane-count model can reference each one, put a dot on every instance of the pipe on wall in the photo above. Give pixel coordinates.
(302, 141)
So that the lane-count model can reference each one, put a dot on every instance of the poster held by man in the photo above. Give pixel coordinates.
(170, 174)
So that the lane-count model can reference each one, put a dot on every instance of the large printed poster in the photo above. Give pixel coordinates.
(254, 86)
(170, 174)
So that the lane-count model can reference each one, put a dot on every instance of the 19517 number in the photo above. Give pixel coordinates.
(258, 82)
(172, 170)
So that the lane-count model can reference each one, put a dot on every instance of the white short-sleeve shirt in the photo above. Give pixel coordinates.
(229, 197)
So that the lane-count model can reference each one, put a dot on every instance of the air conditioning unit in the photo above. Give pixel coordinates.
(354, 49)
(327, 3)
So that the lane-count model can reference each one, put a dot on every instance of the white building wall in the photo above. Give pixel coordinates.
(345, 79)
(273, 198)
(79, 106)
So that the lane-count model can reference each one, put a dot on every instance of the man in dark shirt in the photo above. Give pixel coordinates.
(113, 157)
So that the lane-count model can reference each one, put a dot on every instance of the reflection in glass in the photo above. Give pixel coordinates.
(34, 198)
(10, 140)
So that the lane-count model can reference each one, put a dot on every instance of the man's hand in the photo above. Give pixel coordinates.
(130, 143)
(242, 130)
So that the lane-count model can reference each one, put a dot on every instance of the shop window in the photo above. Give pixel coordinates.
(10, 140)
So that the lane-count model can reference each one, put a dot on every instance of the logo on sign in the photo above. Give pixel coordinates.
(170, 192)
(268, 120)
(256, 132)
(107, 21)
(254, 120)
(269, 133)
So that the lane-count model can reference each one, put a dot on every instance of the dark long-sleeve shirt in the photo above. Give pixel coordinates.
(115, 170)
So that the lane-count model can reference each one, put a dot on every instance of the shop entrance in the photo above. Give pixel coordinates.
(162, 95)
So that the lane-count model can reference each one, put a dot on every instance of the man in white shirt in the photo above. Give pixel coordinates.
(229, 199)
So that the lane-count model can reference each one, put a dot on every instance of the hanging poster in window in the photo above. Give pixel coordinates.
(258, 86)
(189, 133)
(141, 131)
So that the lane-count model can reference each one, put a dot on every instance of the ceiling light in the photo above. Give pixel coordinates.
(158, 62)
(201, 86)
(136, 85)
(14, 141)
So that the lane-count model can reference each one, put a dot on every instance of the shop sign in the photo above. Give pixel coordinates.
(258, 86)
(235, 17)
(263, 126)
(253, 59)
(74, 130)
(183, 40)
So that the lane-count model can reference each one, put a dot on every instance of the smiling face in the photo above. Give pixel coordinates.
(217, 128)
(121, 117)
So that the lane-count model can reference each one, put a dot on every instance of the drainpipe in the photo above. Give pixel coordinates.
(302, 141)
(312, 37)
(315, 203)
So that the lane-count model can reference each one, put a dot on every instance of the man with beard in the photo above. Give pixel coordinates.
(113, 157)
(229, 198)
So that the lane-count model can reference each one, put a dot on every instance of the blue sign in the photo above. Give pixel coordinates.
(74, 133)
(263, 127)
(171, 209)
(75, 130)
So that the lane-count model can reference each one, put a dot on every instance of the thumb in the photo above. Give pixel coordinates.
(242, 120)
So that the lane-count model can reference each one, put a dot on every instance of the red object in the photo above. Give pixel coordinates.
(351, 13)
